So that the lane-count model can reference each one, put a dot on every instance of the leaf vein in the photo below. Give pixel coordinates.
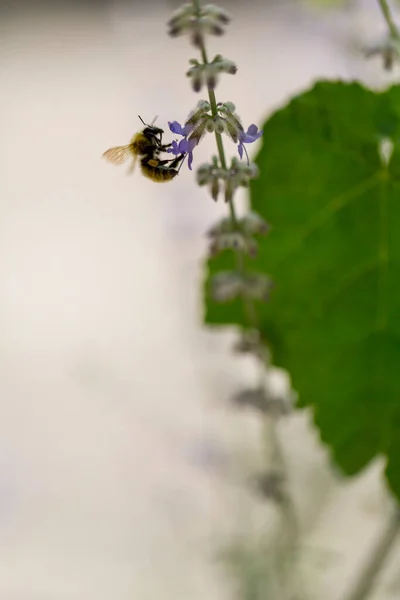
(332, 207)
(381, 317)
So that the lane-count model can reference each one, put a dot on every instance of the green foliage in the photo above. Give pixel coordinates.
(333, 320)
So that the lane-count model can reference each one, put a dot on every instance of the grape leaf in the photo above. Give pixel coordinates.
(333, 320)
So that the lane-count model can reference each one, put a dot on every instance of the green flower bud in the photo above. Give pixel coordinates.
(252, 224)
(215, 188)
(226, 286)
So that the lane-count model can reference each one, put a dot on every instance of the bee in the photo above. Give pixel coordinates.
(147, 146)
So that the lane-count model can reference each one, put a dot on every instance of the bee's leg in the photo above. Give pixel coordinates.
(164, 147)
(174, 163)
(171, 162)
(161, 163)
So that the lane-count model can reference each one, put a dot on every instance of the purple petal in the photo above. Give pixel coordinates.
(240, 150)
(254, 133)
(251, 135)
(174, 149)
(184, 146)
(190, 160)
(244, 138)
(176, 127)
(252, 130)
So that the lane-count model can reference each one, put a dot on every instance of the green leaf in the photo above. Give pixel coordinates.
(333, 320)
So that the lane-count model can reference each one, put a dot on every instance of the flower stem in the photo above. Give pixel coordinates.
(288, 512)
(389, 18)
(367, 580)
(214, 111)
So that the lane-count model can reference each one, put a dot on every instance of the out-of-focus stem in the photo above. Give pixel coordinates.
(389, 18)
(368, 578)
(288, 512)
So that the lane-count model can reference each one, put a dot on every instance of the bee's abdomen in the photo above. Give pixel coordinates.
(159, 174)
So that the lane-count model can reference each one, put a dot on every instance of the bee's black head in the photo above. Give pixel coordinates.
(150, 130)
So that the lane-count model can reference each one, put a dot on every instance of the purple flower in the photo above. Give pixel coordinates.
(248, 137)
(177, 128)
(185, 146)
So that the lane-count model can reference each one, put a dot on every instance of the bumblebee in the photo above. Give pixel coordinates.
(147, 146)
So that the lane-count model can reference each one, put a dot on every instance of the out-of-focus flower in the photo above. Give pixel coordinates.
(211, 174)
(271, 485)
(227, 285)
(207, 74)
(388, 48)
(210, 19)
(252, 223)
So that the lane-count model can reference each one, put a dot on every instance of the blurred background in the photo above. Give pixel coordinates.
(123, 468)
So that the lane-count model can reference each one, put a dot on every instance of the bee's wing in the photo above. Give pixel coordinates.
(117, 155)
(132, 167)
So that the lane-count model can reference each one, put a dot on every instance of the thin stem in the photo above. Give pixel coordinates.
(389, 18)
(288, 510)
(279, 458)
(380, 552)
(214, 112)
(288, 534)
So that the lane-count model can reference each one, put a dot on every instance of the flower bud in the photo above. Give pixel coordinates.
(223, 226)
(216, 29)
(214, 161)
(198, 113)
(204, 174)
(272, 485)
(251, 343)
(241, 173)
(210, 125)
(181, 20)
(388, 48)
(219, 125)
(257, 286)
(231, 130)
(195, 73)
(203, 105)
(227, 66)
(252, 247)
(225, 235)
(252, 224)
(211, 75)
(199, 131)
(215, 188)
(228, 107)
(226, 286)
(229, 190)
(234, 126)
(197, 23)
(251, 171)
(255, 398)
(217, 13)
(229, 241)
(208, 173)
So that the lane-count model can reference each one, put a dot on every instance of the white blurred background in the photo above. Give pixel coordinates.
(122, 464)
